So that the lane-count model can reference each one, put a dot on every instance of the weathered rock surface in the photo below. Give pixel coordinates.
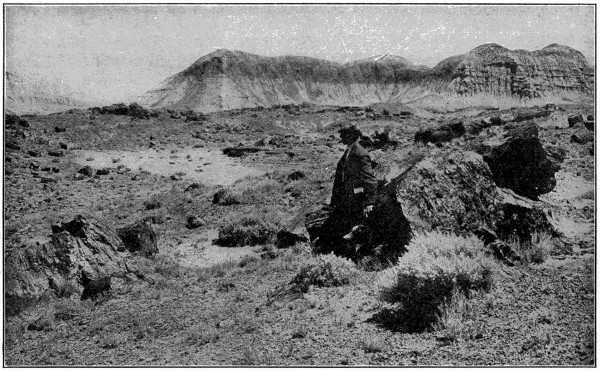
(454, 191)
(491, 68)
(522, 164)
(83, 246)
(139, 238)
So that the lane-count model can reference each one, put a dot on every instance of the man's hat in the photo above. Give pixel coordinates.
(351, 129)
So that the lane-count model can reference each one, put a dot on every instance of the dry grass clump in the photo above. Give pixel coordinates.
(243, 229)
(535, 251)
(457, 318)
(434, 266)
(325, 271)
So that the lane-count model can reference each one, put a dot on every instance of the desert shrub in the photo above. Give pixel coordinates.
(201, 334)
(67, 309)
(153, 203)
(457, 318)
(535, 251)
(427, 274)
(325, 270)
(242, 229)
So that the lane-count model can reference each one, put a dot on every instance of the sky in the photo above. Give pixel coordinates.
(110, 53)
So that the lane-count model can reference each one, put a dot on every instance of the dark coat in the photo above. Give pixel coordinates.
(354, 171)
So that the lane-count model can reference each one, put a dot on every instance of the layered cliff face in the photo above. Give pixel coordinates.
(230, 79)
(493, 69)
(24, 96)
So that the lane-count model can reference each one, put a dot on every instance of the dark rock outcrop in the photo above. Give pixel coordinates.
(87, 171)
(240, 151)
(139, 238)
(444, 133)
(581, 135)
(522, 164)
(133, 110)
(82, 247)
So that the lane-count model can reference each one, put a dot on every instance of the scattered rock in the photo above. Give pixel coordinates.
(139, 237)
(193, 186)
(263, 142)
(444, 133)
(87, 171)
(63, 145)
(56, 153)
(94, 287)
(575, 119)
(194, 222)
(240, 151)
(582, 135)
(296, 175)
(103, 171)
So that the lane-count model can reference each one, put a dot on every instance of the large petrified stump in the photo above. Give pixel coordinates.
(522, 164)
(81, 247)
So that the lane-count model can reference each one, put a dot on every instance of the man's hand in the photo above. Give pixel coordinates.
(367, 210)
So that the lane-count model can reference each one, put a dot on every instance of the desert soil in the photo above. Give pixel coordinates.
(204, 304)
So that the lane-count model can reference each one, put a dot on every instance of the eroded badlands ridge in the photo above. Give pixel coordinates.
(228, 79)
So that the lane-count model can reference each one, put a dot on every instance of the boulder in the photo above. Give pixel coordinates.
(450, 191)
(59, 129)
(103, 171)
(521, 218)
(194, 222)
(193, 186)
(87, 171)
(444, 133)
(296, 175)
(263, 142)
(82, 247)
(582, 135)
(455, 192)
(530, 114)
(33, 153)
(240, 151)
(139, 238)
(56, 153)
(522, 164)
(575, 119)
(63, 145)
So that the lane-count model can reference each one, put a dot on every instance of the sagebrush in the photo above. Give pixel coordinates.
(325, 270)
(242, 229)
(434, 266)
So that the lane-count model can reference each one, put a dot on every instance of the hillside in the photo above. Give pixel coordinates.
(228, 79)
(24, 96)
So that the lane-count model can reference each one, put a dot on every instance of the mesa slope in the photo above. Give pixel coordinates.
(228, 79)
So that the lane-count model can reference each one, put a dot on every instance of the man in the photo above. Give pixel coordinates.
(354, 190)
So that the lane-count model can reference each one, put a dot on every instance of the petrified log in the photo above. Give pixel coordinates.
(139, 238)
(444, 133)
(240, 151)
(575, 119)
(81, 247)
(581, 135)
(522, 164)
